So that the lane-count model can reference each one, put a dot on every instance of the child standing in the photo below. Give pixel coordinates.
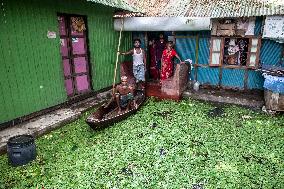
(139, 62)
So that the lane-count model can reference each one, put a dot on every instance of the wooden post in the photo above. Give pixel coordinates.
(196, 57)
(117, 55)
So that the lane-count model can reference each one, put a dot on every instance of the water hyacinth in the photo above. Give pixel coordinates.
(189, 144)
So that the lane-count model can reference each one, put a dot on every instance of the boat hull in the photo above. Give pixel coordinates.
(98, 119)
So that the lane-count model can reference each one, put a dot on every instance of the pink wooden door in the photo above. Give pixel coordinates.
(74, 53)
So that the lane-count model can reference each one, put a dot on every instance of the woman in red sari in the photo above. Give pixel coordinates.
(167, 61)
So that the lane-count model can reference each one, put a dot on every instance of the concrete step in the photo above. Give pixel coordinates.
(50, 121)
(251, 100)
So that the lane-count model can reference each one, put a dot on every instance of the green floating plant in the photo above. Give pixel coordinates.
(166, 144)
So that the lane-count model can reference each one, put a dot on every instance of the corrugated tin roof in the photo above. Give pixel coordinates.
(125, 14)
(209, 8)
(121, 4)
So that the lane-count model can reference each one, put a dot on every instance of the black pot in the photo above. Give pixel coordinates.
(21, 150)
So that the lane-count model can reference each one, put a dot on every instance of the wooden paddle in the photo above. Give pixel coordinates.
(116, 63)
(117, 55)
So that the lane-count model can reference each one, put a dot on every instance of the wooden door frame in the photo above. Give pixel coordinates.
(70, 56)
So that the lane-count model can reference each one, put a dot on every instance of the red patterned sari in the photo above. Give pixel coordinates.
(167, 63)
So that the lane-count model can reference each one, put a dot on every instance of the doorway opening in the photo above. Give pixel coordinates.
(156, 44)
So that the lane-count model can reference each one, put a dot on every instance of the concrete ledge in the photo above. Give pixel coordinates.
(51, 121)
(253, 100)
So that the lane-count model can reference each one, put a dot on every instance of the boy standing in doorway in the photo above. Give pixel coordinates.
(160, 47)
(139, 63)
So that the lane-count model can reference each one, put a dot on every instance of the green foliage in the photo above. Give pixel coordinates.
(165, 145)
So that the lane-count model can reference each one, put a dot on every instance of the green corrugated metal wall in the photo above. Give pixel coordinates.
(31, 73)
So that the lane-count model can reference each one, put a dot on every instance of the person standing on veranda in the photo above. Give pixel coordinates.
(160, 46)
(154, 71)
(167, 61)
(139, 63)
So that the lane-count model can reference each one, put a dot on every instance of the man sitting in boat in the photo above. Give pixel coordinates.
(124, 95)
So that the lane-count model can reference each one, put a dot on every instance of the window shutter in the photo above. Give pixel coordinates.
(216, 51)
(254, 50)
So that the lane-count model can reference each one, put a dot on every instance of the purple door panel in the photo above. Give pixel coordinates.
(69, 86)
(73, 32)
(80, 65)
(82, 83)
(62, 28)
(66, 67)
(78, 45)
(63, 47)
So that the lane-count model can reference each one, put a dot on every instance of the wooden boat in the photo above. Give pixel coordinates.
(107, 114)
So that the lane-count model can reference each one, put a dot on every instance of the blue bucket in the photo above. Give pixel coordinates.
(274, 83)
